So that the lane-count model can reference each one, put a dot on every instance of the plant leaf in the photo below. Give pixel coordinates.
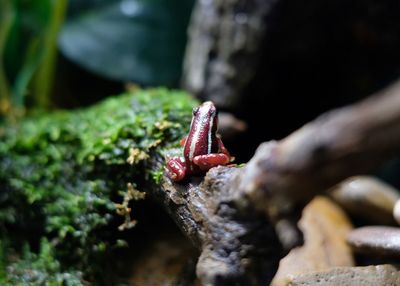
(7, 15)
(129, 40)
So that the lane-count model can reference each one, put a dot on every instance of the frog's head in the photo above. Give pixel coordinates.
(207, 116)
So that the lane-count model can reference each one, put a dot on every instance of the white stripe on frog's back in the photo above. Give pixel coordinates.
(211, 122)
(203, 119)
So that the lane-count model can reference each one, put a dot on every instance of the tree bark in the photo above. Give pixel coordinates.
(224, 48)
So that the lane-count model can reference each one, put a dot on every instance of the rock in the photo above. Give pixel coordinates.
(376, 240)
(288, 233)
(367, 198)
(325, 227)
(376, 275)
(396, 211)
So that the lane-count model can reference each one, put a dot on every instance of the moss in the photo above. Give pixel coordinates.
(35, 268)
(61, 174)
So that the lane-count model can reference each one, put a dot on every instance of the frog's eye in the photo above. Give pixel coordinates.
(195, 110)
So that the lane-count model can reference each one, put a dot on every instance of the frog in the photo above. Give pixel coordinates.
(203, 148)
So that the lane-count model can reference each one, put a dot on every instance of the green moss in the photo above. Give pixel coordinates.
(35, 268)
(61, 174)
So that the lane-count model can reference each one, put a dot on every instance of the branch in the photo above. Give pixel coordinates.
(283, 176)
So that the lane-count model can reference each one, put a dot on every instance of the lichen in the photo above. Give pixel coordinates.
(136, 155)
(124, 210)
(61, 174)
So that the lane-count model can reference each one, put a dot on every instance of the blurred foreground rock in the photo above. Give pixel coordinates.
(324, 227)
(367, 198)
(376, 240)
(378, 275)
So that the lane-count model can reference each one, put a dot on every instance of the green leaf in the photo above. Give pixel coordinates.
(7, 16)
(129, 40)
(28, 36)
(45, 74)
(32, 60)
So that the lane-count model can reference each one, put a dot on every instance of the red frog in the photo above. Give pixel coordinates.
(203, 148)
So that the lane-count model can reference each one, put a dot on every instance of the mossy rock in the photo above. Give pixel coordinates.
(61, 175)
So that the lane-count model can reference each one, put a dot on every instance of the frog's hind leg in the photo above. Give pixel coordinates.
(206, 162)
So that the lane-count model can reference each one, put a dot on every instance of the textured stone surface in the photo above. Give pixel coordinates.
(324, 226)
(367, 198)
(376, 240)
(378, 275)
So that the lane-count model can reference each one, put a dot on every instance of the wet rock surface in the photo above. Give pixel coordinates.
(378, 275)
(325, 227)
(367, 198)
(376, 240)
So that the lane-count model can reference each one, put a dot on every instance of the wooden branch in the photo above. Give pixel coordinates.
(283, 176)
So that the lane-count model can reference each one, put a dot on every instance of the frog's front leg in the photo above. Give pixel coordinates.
(206, 162)
(176, 168)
